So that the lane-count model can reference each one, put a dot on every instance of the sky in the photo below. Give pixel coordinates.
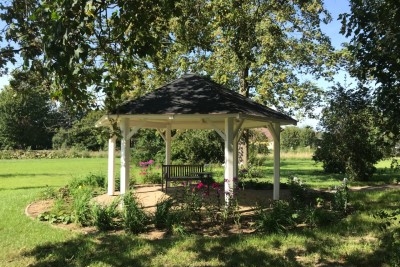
(335, 7)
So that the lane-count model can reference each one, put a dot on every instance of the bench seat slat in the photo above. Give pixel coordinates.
(179, 172)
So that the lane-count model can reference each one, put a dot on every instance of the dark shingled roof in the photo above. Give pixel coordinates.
(192, 94)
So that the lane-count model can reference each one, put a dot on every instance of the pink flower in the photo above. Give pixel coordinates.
(200, 185)
(150, 162)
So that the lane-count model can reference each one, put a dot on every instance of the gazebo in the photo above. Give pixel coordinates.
(193, 102)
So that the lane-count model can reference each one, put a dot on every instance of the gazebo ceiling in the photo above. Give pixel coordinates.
(194, 102)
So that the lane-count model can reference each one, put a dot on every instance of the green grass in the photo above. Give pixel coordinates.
(355, 241)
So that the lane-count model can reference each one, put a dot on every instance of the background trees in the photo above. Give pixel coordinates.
(82, 134)
(116, 48)
(267, 50)
(350, 142)
(27, 116)
(294, 137)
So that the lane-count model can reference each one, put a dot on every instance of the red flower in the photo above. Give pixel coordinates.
(200, 185)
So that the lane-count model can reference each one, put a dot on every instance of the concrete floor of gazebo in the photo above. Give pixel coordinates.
(149, 195)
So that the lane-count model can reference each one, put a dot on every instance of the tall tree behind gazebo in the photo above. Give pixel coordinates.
(257, 48)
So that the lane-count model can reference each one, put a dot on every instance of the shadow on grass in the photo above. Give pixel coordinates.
(123, 250)
(113, 250)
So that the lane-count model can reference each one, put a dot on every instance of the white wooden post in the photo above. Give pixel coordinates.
(168, 145)
(111, 166)
(277, 159)
(229, 155)
(236, 157)
(125, 156)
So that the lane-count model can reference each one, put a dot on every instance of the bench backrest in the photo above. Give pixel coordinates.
(181, 170)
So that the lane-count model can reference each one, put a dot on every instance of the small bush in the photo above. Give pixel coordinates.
(163, 216)
(81, 209)
(134, 217)
(278, 220)
(341, 199)
(104, 216)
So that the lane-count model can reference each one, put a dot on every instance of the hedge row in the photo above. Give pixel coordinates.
(51, 154)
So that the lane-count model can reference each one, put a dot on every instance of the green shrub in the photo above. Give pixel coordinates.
(163, 217)
(104, 216)
(341, 199)
(134, 217)
(279, 219)
(150, 174)
(81, 209)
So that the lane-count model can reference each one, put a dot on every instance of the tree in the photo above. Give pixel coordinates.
(375, 35)
(350, 141)
(87, 47)
(148, 145)
(26, 113)
(263, 49)
(83, 134)
(198, 146)
(295, 137)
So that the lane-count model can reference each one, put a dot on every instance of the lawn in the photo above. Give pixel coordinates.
(354, 241)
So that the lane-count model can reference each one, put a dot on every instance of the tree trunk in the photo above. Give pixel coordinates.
(244, 90)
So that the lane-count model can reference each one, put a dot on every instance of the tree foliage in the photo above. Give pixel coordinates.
(194, 146)
(187, 147)
(124, 48)
(295, 137)
(86, 46)
(27, 116)
(350, 141)
(82, 134)
(148, 144)
(375, 37)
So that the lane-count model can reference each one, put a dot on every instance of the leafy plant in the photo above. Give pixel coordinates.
(149, 176)
(341, 199)
(134, 217)
(91, 180)
(55, 218)
(81, 208)
(343, 150)
(163, 217)
(280, 219)
(104, 215)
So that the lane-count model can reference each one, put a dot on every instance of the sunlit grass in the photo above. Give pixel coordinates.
(354, 241)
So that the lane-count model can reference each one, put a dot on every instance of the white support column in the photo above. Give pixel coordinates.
(236, 157)
(277, 159)
(229, 161)
(125, 156)
(111, 165)
(168, 140)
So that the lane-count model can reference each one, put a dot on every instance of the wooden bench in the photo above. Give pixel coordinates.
(180, 173)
